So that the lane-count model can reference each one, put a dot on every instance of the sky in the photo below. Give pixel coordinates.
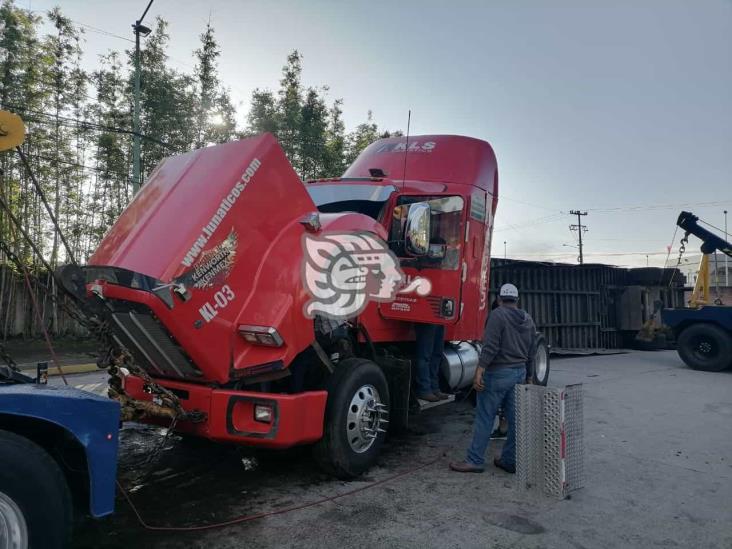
(621, 109)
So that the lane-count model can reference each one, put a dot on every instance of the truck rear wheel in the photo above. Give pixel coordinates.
(705, 347)
(356, 416)
(541, 362)
(35, 502)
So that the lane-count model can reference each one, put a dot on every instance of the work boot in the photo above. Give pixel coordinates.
(442, 396)
(429, 397)
(508, 468)
(465, 467)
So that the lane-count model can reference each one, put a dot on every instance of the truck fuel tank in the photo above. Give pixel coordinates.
(459, 361)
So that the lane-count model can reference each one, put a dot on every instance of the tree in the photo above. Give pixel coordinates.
(167, 102)
(109, 189)
(78, 138)
(364, 134)
(62, 51)
(289, 109)
(335, 148)
(313, 135)
(215, 115)
(263, 116)
(19, 91)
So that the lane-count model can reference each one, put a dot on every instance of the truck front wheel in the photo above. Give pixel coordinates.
(705, 347)
(356, 417)
(35, 502)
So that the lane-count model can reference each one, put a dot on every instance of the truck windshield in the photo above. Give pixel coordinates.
(342, 197)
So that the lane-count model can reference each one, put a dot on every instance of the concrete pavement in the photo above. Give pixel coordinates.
(658, 474)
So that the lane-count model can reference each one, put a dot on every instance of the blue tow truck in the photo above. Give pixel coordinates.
(58, 455)
(58, 445)
(704, 330)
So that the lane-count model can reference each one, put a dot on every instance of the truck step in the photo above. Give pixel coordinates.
(425, 405)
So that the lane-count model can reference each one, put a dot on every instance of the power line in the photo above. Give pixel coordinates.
(645, 207)
(533, 223)
(504, 197)
(84, 124)
(613, 254)
(170, 57)
(81, 166)
(101, 31)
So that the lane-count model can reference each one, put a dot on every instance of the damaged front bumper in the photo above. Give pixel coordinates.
(270, 420)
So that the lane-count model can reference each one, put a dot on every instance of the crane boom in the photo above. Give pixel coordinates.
(710, 241)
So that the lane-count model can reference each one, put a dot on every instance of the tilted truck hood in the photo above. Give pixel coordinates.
(239, 195)
(223, 223)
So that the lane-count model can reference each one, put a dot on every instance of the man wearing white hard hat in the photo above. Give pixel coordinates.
(506, 359)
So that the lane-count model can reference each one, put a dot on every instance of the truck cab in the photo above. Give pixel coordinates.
(455, 180)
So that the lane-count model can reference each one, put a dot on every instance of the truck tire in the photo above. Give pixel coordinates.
(705, 347)
(541, 362)
(35, 501)
(351, 441)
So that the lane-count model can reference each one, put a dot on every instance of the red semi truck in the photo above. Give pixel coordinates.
(218, 285)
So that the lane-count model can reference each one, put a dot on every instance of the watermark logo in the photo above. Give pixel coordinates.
(342, 272)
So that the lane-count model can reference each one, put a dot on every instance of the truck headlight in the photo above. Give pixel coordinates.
(261, 335)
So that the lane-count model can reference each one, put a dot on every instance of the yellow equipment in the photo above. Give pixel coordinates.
(702, 288)
(12, 130)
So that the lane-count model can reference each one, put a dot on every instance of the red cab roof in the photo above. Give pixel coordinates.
(441, 158)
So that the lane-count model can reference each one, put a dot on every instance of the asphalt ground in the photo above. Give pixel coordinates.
(658, 462)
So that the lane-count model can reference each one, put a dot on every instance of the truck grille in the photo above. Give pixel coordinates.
(151, 345)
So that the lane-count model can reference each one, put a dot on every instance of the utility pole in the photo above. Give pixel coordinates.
(139, 29)
(580, 228)
(504, 249)
(726, 257)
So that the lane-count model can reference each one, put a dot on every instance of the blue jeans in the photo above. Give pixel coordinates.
(498, 392)
(430, 344)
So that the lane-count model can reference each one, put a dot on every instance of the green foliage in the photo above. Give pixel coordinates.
(79, 133)
(312, 134)
(79, 124)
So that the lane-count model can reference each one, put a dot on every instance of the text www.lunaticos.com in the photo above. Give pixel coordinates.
(226, 204)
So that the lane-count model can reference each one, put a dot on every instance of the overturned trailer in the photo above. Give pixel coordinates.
(591, 307)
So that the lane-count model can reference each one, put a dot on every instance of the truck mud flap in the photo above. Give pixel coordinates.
(399, 377)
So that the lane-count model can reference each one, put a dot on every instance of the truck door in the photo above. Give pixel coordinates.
(442, 266)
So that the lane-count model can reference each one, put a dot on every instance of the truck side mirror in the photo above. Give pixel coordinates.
(417, 230)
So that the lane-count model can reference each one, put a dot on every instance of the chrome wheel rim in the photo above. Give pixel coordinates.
(366, 419)
(540, 363)
(13, 529)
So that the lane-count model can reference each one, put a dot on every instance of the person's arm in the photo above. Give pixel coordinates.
(491, 346)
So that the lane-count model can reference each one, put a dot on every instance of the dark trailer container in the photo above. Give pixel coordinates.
(591, 307)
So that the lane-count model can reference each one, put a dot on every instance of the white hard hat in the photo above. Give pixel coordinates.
(509, 290)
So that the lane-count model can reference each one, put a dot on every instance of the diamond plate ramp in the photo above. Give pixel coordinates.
(549, 439)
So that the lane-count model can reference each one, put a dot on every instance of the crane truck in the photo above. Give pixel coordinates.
(58, 445)
(703, 331)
